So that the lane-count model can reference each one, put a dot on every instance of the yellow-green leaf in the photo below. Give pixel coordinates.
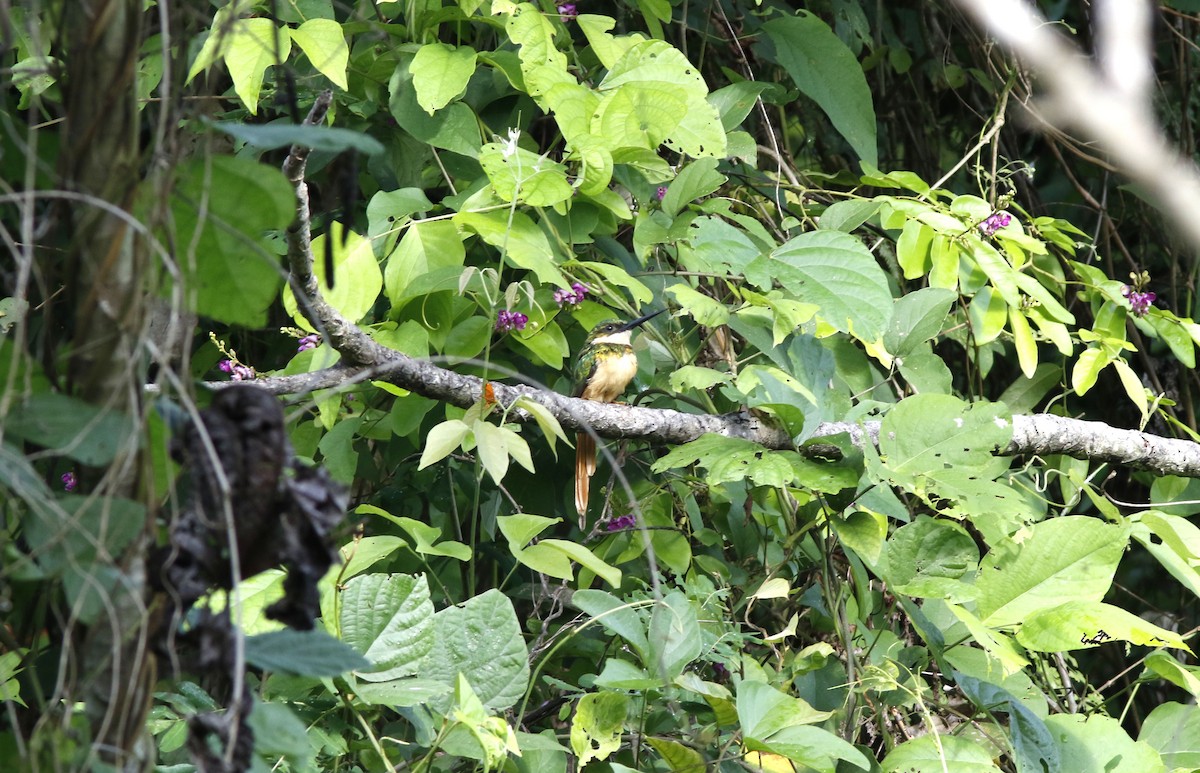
(1027, 354)
(323, 43)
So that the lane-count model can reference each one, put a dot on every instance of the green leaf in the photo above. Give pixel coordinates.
(481, 639)
(519, 239)
(931, 558)
(401, 692)
(916, 318)
(71, 427)
(1072, 558)
(307, 653)
(1133, 387)
(467, 338)
(1087, 369)
(442, 440)
(325, 46)
(930, 433)
(997, 645)
(850, 214)
(1081, 624)
(713, 245)
(519, 175)
(1173, 729)
(357, 278)
(428, 539)
(616, 617)
(597, 726)
(937, 753)
(735, 101)
(454, 127)
(702, 308)
(221, 207)
(440, 74)
(546, 421)
(835, 271)
(607, 48)
(72, 532)
(1034, 748)
(813, 747)
(863, 532)
(280, 734)
(675, 639)
(330, 139)
(492, 448)
(1024, 394)
(694, 181)
(694, 377)
(521, 528)
(426, 247)
(1027, 353)
(1098, 742)
(763, 710)
(254, 44)
(913, 248)
(389, 619)
(1169, 329)
(826, 71)
(678, 757)
(649, 79)
(730, 459)
(640, 115)
(585, 558)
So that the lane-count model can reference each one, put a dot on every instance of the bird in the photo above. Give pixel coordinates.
(605, 366)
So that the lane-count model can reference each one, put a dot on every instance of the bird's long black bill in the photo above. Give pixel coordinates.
(641, 320)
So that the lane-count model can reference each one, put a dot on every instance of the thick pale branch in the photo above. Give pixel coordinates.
(1111, 111)
(1036, 435)
(365, 360)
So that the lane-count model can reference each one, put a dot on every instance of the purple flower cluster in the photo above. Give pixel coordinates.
(311, 341)
(572, 297)
(236, 371)
(69, 481)
(568, 11)
(661, 193)
(995, 222)
(621, 523)
(1139, 302)
(510, 320)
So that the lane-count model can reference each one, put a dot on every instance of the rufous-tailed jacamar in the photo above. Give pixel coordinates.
(605, 366)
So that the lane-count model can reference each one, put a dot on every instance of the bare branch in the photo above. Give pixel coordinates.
(1036, 435)
(1110, 113)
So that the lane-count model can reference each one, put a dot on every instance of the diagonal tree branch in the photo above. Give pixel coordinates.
(1107, 101)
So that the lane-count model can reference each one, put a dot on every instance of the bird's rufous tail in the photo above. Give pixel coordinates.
(585, 468)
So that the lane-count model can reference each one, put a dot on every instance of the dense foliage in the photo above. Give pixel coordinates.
(844, 227)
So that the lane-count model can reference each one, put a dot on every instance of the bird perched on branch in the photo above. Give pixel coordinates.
(603, 370)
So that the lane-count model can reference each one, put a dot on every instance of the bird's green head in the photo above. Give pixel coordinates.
(617, 332)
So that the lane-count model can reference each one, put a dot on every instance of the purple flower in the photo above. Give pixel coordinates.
(69, 481)
(995, 222)
(572, 297)
(236, 371)
(661, 192)
(311, 341)
(568, 11)
(510, 320)
(1139, 302)
(721, 672)
(621, 523)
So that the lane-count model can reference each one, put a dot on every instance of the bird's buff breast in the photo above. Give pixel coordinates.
(609, 381)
